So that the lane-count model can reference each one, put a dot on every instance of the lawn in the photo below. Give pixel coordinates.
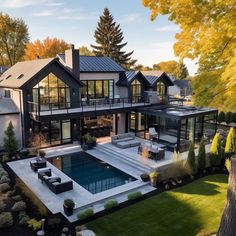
(184, 211)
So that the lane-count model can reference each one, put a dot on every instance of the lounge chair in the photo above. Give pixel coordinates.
(152, 133)
(42, 173)
(58, 187)
(38, 164)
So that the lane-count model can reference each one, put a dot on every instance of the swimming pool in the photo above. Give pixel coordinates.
(91, 173)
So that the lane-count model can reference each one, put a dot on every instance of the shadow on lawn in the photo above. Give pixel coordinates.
(161, 215)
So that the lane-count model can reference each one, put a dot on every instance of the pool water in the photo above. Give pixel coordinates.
(93, 174)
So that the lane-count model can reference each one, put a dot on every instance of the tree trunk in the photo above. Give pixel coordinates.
(228, 220)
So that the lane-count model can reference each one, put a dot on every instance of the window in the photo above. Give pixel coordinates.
(51, 93)
(98, 89)
(7, 93)
(161, 89)
(136, 91)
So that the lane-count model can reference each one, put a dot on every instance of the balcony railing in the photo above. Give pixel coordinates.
(37, 110)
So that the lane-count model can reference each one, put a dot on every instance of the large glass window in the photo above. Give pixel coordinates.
(98, 89)
(161, 89)
(136, 91)
(51, 93)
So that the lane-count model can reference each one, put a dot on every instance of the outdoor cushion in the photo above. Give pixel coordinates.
(123, 145)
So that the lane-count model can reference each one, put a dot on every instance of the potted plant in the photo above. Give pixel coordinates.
(68, 206)
(154, 176)
(42, 153)
(145, 177)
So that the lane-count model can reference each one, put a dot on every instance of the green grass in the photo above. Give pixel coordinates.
(184, 211)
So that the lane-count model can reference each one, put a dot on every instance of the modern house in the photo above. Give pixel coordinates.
(181, 88)
(70, 95)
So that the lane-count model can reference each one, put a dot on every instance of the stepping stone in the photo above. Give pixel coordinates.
(87, 232)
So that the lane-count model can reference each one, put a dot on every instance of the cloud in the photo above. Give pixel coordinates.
(130, 18)
(168, 28)
(79, 17)
(22, 3)
(45, 13)
(55, 4)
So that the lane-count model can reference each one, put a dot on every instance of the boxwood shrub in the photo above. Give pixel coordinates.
(111, 204)
(134, 195)
(4, 187)
(6, 220)
(19, 206)
(85, 214)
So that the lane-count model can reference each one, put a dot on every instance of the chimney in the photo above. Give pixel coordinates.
(72, 60)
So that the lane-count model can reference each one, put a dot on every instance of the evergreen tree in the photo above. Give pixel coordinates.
(109, 39)
(201, 156)
(215, 151)
(230, 143)
(221, 117)
(191, 160)
(181, 71)
(10, 143)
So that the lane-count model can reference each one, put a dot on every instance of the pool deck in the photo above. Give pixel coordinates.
(126, 160)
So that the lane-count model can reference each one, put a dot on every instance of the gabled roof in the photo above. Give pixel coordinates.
(96, 64)
(182, 83)
(22, 72)
(125, 78)
(154, 76)
(7, 106)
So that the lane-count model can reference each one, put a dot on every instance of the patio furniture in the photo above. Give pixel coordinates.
(58, 187)
(38, 164)
(152, 133)
(125, 140)
(151, 151)
(45, 172)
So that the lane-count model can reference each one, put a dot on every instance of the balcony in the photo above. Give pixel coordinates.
(37, 110)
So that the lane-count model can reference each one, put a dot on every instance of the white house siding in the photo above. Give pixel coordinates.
(4, 121)
(174, 90)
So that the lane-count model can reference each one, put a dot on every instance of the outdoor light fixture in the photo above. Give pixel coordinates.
(73, 92)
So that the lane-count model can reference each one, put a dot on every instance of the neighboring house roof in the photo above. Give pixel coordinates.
(7, 106)
(22, 72)
(182, 83)
(154, 76)
(96, 64)
(125, 78)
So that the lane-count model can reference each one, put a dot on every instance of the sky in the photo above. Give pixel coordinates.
(75, 21)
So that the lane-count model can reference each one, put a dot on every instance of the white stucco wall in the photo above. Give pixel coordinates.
(4, 121)
(174, 90)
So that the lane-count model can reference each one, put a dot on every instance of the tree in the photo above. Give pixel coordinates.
(191, 160)
(109, 37)
(234, 117)
(228, 117)
(10, 143)
(167, 66)
(140, 67)
(207, 34)
(201, 156)
(215, 151)
(181, 71)
(227, 224)
(37, 140)
(46, 48)
(13, 39)
(230, 146)
(221, 117)
(84, 51)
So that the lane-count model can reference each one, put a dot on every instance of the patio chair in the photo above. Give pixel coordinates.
(38, 164)
(42, 173)
(57, 187)
(152, 133)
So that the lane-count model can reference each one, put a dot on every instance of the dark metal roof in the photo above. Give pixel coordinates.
(96, 64)
(125, 78)
(154, 76)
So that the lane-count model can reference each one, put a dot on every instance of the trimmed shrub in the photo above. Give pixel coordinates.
(221, 117)
(2, 206)
(54, 222)
(4, 187)
(10, 193)
(65, 230)
(33, 223)
(85, 214)
(5, 157)
(5, 179)
(23, 218)
(228, 117)
(42, 153)
(6, 220)
(134, 195)
(191, 160)
(201, 156)
(111, 204)
(230, 143)
(3, 173)
(19, 206)
(215, 151)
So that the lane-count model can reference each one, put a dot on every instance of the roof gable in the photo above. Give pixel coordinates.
(154, 76)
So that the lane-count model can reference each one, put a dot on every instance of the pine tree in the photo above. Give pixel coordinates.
(201, 156)
(181, 71)
(230, 143)
(191, 160)
(221, 117)
(10, 143)
(109, 39)
(215, 151)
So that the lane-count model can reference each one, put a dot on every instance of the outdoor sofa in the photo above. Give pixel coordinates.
(151, 151)
(125, 140)
(38, 164)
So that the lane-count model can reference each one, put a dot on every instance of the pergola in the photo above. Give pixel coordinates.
(188, 120)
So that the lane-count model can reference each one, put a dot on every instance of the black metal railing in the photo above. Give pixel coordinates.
(37, 109)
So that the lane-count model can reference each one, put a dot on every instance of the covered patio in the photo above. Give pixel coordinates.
(177, 126)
